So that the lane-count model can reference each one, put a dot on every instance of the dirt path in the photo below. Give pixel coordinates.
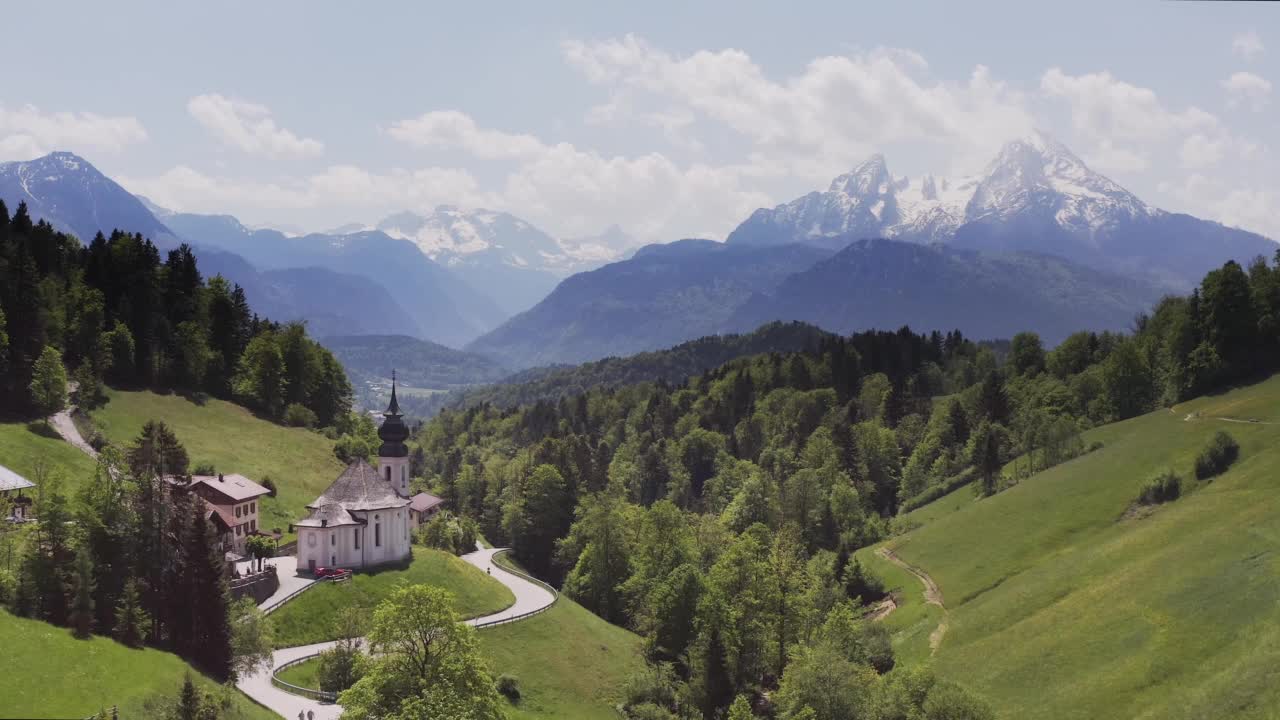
(932, 594)
(62, 423)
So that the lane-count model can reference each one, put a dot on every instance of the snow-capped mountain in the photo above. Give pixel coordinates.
(73, 196)
(517, 263)
(1035, 195)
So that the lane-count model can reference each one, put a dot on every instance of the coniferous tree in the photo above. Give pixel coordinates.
(131, 619)
(82, 594)
(212, 635)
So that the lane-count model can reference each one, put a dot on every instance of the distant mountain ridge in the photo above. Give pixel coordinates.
(1036, 195)
(72, 195)
(662, 296)
(886, 284)
(438, 304)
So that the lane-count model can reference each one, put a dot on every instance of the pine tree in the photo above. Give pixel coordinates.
(189, 702)
(212, 599)
(131, 620)
(82, 590)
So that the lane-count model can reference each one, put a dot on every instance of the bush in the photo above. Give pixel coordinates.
(270, 485)
(205, 468)
(1160, 489)
(1214, 460)
(341, 666)
(350, 447)
(298, 415)
(509, 687)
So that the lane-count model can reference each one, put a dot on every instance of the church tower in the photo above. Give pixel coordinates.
(393, 454)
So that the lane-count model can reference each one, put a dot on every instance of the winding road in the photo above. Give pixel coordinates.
(530, 597)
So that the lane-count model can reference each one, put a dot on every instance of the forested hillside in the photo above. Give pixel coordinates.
(718, 517)
(114, 310)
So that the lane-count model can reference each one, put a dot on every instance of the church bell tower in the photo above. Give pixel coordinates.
(393, 454)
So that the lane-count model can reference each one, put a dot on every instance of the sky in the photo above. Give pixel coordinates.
(670, 120)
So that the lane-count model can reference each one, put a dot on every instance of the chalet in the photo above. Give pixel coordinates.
(15, 506)
(232, 505)
(423, 507)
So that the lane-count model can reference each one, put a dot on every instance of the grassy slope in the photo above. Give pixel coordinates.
(50, 674)
(1060, 609)
(23, 448)
(571, 664)
(310, 617)
(300, 462)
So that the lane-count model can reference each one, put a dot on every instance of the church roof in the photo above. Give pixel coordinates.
(359, 487)
(330, 515)
(10, 480)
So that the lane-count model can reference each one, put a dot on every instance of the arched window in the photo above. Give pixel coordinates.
(377, 532)
(388, 473)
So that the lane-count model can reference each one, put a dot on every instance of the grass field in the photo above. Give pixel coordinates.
(300, 462)
(310, 617)
(571, 664)
(24, 447)
(50, 674)
(1060, 607)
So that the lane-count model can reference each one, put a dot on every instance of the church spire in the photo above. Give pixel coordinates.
(393, 432)
(394, 407)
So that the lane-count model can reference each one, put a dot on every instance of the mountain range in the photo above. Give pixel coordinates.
(1037, 240)
(1036, 195)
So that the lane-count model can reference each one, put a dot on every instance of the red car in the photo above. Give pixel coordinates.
(324, 572)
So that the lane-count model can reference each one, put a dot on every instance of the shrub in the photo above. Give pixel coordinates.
(205, 468)
(270, 485)
(341, 666)
(1160, 489)
(298, 415)
(509, 687)
(350, 447)
(1214, 460)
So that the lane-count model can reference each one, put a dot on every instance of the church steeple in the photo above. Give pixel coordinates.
(393, 431)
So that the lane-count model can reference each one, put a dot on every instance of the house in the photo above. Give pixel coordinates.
(15, 506)
(232, 502)
(423, 507)
(363, 518)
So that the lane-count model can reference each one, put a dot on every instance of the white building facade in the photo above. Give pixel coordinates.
(363, 519)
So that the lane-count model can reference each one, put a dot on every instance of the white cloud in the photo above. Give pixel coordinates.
(28, 132)
(1245, 88)
(449, 128)
(1247, 44)
(338, 188)
(835, 112)
(1124, 125)
(249, 127)
(1243, 206)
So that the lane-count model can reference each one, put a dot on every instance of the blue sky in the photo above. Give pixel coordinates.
(672, 120)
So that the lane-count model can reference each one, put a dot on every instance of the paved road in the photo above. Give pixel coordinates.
(529, 597)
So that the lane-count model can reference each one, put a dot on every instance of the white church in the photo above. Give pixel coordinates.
(364, 518)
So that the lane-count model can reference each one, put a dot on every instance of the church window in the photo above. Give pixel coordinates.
(333, 539)
(355, 537)
(388, 473)
(377, 532)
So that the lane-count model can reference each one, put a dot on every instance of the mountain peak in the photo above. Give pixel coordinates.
(869, 178)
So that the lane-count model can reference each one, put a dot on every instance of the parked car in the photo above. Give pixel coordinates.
(324, 572)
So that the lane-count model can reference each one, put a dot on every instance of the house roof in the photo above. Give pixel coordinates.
(423, 502)
(10, 480)
(223, 514)
(359, 487)
(234, 486)
(329, 515)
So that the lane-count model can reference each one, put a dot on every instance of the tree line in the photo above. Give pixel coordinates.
(115, 311)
